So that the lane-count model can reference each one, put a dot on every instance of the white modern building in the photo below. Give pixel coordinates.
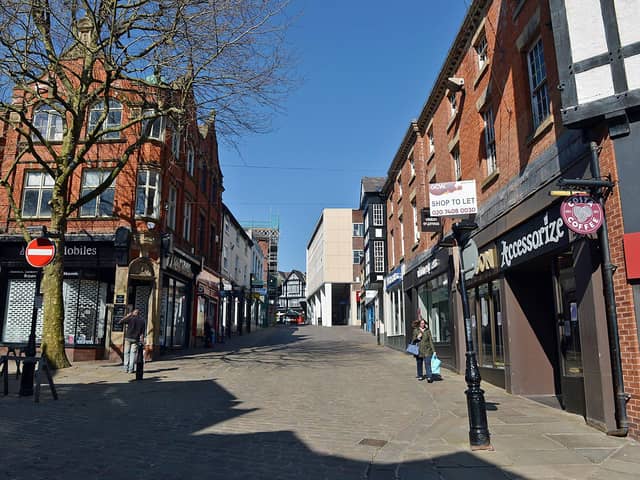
(331, 271)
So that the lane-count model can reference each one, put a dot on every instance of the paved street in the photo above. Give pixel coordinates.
(291, 403)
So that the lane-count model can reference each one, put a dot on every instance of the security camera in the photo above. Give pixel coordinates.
(455, 84)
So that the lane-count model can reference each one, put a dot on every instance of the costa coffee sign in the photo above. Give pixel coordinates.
(581, 214)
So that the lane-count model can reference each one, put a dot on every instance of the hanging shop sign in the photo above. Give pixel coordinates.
(453, 199)
(543, 233)
(429, 223)
(582, 214)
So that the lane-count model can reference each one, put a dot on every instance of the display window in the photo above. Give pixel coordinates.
(433, 304)
(486, 324)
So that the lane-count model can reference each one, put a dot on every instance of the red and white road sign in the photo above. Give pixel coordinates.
(40, 252)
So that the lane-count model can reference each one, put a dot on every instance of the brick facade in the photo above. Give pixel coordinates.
(529, 157)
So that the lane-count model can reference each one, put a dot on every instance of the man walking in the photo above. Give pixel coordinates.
(135, 333)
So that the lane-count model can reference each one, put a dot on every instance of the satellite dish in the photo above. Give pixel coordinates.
(470, 259)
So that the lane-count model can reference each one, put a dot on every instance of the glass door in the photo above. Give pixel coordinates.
(568, 330)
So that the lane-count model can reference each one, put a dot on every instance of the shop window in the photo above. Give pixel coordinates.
(103, 118)
(37, 193)
(148, 194)
(433, 302)
(84, 311)
(486, 324)
(102, 205)
(152, 124)
(47, 120)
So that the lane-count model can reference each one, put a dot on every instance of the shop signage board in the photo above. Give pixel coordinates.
(582, 214)
(453, 199)
(40, 252)
(541, 234)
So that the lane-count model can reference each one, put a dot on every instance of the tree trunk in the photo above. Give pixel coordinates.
(52, 282)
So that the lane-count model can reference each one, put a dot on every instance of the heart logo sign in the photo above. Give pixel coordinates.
(581, 214)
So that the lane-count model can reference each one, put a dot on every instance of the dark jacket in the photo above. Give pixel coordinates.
(135, 327)
(425, 344)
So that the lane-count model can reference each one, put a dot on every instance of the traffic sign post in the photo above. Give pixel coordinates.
(39, 253)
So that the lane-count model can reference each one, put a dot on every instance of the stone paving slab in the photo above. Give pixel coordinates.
(291, 403)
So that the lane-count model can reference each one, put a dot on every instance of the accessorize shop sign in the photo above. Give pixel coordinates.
(541, 234)
(582, 214)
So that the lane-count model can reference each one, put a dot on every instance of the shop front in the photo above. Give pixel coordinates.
(394, 309)
(178, 272)
(544, 322)
(485, 293)
(427, 289)
(207, 306)
(88, 287)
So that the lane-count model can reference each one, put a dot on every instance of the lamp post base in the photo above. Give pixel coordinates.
(479, 436)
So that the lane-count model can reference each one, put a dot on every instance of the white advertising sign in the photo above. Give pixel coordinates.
(453, 199)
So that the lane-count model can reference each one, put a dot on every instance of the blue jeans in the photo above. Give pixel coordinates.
(130, 351)
(427, 365)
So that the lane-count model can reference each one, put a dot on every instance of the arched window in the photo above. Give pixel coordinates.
(112, 120)
(48, 121)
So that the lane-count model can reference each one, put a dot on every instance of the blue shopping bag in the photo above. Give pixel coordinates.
(413, 349)
(435, 364)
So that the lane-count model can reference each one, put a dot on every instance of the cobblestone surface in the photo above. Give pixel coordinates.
(290, 403)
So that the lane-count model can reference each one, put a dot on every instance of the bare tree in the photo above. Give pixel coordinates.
(181, 59)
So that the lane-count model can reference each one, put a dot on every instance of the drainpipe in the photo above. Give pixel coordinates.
(621, 398)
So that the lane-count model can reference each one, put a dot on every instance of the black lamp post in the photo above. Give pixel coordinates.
(479, 437)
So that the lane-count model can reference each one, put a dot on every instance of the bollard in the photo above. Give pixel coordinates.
(140, 361)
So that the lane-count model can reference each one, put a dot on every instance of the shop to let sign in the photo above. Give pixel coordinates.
(453, 199)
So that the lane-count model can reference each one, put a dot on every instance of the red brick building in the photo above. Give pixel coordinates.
(538, 308)
(150, 241)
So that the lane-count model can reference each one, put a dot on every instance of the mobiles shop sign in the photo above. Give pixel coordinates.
(542, 234)
(453, 199)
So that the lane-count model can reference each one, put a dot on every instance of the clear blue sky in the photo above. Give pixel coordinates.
(367, 69)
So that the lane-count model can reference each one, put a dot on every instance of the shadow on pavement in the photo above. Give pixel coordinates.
(181, 430)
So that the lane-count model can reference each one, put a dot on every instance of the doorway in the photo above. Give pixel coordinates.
(570, 366)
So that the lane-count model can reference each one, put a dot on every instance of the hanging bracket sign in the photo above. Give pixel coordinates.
(581, 214)
(453, 199)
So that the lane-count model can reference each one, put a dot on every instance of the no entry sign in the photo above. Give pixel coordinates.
(40, 252)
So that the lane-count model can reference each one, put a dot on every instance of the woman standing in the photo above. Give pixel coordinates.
(422, 337)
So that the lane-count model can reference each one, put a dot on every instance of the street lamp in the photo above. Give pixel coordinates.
(479, 437)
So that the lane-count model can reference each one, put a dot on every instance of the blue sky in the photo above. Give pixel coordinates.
(367, 69)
